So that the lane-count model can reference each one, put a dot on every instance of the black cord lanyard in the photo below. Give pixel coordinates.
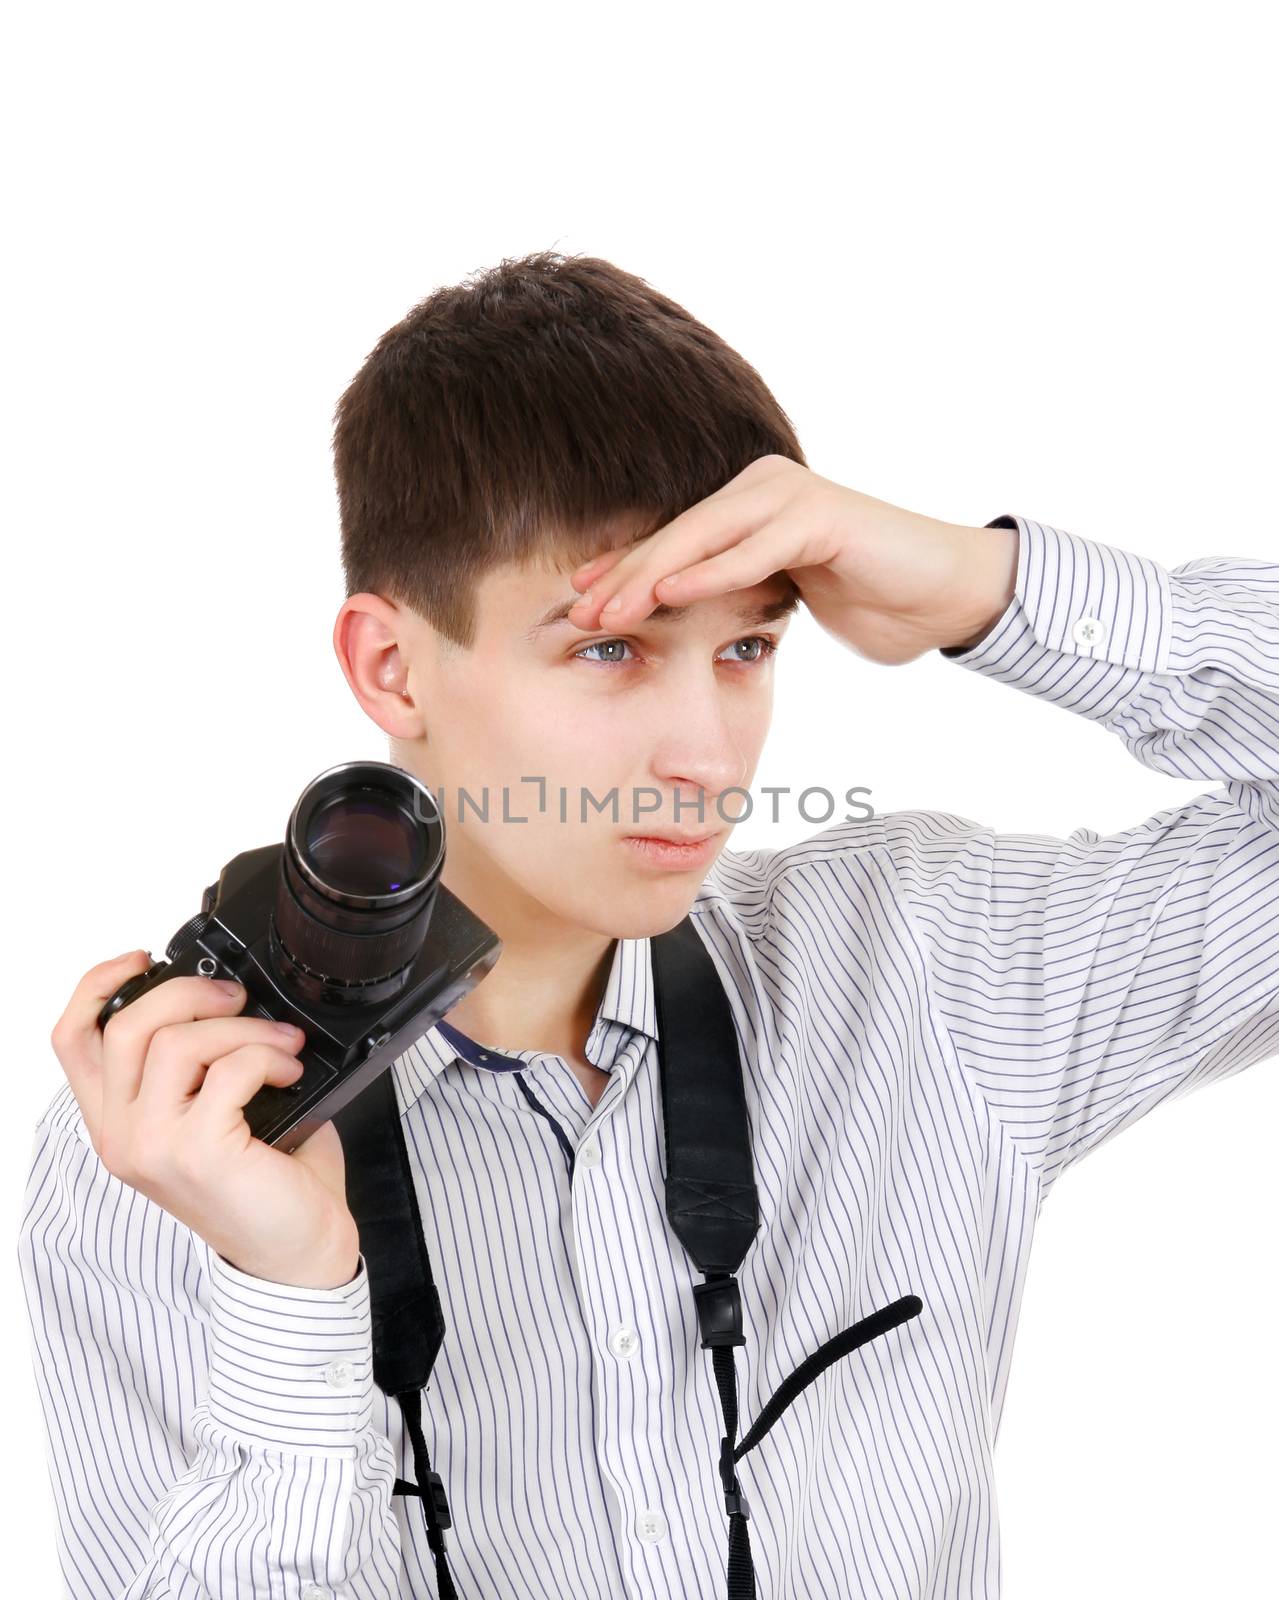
(711, 1203)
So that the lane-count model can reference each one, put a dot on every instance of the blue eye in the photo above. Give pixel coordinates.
(767, 647)
(603, 644)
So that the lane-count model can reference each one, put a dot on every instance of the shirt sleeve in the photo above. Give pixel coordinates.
(208, 1433)
(1083, 980)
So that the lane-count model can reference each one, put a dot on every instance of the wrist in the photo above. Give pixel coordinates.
(332, 1268)
(313, 1276)
(988, 582)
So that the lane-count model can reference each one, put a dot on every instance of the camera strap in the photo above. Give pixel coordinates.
(711, 1203)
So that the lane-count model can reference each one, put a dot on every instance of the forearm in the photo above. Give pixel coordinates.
(1182, 664)
(254, 1471)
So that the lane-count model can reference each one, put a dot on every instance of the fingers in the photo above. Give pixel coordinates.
(127, 1035)
(180, 1054)
(748, 562)
(77, 1028)
(624, 594)
(231, 1082)
(76, 1039)
(597, 566)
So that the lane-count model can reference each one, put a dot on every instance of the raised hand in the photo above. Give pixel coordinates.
(889, 583)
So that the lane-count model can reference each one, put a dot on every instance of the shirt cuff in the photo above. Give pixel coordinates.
(1086, 623)
(290, 1368)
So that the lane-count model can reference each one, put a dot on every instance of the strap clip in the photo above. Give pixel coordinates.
(719, 1312)
(435, 1488)
(734, 1499)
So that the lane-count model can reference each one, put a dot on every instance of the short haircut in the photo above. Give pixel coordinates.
(544, 410)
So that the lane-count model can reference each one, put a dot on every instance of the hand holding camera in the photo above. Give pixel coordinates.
(162, 1090)
(345, 948)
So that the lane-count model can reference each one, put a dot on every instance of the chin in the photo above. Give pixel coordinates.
(639, 909)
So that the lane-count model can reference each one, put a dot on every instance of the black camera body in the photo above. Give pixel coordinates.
(344, 930)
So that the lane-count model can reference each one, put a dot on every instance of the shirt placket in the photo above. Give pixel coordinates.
(620, 1326)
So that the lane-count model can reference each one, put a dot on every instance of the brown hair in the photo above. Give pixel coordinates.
(550, 407)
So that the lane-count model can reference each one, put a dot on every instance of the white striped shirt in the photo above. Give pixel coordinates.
(935, 1020)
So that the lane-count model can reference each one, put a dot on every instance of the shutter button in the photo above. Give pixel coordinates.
(338, 1375)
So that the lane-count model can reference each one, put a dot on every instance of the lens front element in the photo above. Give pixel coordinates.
(365, 845)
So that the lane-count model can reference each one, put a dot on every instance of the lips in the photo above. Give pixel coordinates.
(679, 852)
(674, 838)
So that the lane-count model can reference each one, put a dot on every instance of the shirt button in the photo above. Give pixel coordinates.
(650, 1526)
(624, 1342)
(337, 1375)
(589, 1154)
(1089, 630)
(312, 1591)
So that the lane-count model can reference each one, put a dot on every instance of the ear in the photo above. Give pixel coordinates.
(370, 639)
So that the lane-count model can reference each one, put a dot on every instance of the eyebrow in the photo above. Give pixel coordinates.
(756, 616)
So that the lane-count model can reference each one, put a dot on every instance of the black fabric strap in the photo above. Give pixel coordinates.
(407, 1318)
(711, 1199)
(881, 1321)
(710, 1178)
(430, 1487)
(719, 1308)
(713, 1205)
(741, 1569)
(408, 1322)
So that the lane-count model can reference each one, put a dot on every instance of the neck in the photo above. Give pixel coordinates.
(546, 986)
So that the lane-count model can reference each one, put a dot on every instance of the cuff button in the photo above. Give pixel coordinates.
(1089, 630)
(338, 1375)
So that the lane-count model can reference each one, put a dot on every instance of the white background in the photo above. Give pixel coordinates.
(990, 258)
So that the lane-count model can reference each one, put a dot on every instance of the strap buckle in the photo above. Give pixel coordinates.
(734, 1498)
(719, 1312)
(439, 1501)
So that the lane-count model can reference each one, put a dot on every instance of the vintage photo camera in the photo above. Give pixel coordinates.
(344, 930)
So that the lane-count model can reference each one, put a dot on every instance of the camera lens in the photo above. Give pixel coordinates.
(358, 873)
(364, 845)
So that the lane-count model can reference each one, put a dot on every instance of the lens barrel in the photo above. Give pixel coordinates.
(359, 869)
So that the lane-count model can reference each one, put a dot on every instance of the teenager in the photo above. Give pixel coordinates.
(573, 525)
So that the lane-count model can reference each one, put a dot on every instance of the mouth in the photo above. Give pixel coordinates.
(673, 849)
(675, 838)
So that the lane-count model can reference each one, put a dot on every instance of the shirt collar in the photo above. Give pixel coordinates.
(628, 1001)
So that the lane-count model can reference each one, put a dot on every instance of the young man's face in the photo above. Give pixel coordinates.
(622, 724)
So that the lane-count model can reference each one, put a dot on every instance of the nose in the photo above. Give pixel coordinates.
(703, 749)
